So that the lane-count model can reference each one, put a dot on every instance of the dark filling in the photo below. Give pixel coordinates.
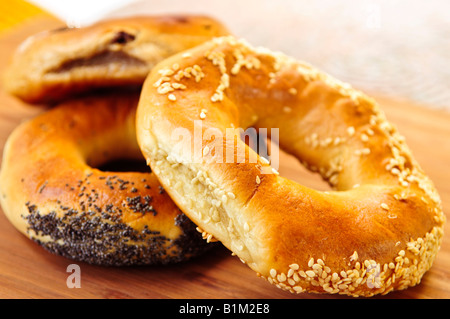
(100, 59)
(61, 29)
(123, 37)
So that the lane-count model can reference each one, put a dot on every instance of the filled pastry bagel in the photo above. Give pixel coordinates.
(59, 186)
(379, 230)
(56, 64)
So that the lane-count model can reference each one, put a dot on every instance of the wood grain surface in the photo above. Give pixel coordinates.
(28, 271)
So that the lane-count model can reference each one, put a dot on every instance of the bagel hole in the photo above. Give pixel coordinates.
(125, 165)
(291, 168)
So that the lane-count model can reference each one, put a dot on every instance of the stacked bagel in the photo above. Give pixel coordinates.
(379, 230)
(61, 182)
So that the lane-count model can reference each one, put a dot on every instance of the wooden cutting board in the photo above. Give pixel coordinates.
(28, 271)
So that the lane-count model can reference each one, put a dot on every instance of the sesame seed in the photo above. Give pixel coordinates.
(216, 97)
(172, 97)
(298, 289)
(273, 273)
(287, 109)
(343, 286)
(328, 289)
(165, 72)
(316, 267)
(337, 140)
(258, 180)
(351, 130)
(294, 266)
(216, 203)
(364, 137)
(384, 206)
(224, 199)
(365, 151)
(178, 86)
(160, 81)
(334, 277)
(231, 195)
(165, 88)
(290, 272)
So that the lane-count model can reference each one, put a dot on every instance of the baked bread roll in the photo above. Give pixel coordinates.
(52, 190)
(57, 64)
(378, 231)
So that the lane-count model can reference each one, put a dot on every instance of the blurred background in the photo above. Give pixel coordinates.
(393, 48)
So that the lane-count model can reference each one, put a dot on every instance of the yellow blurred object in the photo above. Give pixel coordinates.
(14, 12)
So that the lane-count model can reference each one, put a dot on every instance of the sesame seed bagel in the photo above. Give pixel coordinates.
(53, 65)
(52, 191)
(378, 230)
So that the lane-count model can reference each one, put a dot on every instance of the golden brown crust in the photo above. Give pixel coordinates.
(52, 191)
(380, 229)
(56, 64)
